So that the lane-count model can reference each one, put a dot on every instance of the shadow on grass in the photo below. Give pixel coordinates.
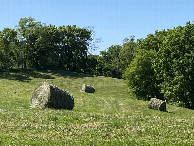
(23, 75)
(67, 74)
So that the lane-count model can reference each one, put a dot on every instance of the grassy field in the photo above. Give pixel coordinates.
(110, 116)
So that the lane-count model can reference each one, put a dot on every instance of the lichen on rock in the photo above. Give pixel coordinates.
(46, 95)
(157, 104)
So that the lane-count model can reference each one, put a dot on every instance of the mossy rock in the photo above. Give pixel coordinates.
(49, 96)
(157, 104)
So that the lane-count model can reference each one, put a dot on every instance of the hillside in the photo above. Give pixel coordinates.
(110, 116)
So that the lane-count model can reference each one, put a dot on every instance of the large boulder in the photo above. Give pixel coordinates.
(47, 95)
(88, 88)
(157, 104)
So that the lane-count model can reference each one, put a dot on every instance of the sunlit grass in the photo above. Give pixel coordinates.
(107, 117)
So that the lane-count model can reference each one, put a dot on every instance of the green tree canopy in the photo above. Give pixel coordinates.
(140, 76)
(8, 48)
(174, 65)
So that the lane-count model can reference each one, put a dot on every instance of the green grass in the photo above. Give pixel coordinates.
(110, 116)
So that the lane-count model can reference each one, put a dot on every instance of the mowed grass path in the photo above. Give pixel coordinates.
(110, 116)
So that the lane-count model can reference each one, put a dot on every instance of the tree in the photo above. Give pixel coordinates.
(140, 76)
(126, 54)
(174, 65)
(46, 47)
(27, 32)
(74, 46)
(92, 65)
(46, 52)
(108, 62)
(8, 48)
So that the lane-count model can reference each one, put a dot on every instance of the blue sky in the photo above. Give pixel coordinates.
(112, 20)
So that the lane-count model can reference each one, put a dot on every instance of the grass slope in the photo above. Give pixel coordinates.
(107, 117)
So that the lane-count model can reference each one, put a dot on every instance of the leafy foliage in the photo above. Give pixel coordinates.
(161, 65)
(126, 54)
(114, 61)
(36, 45)
(108, 62)
(174, 65)
(8, 48)
(140, 75)
(169, 70)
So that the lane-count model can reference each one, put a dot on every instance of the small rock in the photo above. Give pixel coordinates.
(88, 88)
(157, 104)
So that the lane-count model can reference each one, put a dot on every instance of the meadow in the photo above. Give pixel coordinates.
(110, 116)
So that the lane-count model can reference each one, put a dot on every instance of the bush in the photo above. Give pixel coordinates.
(140, 75)
(174, 65)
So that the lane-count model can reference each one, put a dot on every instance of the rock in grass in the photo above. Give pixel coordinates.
(88, 88)
(157, 104)
(47, 95)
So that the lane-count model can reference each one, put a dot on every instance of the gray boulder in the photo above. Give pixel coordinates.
(49, 96)
(88, 88)
(157, 104)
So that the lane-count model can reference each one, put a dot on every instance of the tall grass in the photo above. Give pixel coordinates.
(110, 116)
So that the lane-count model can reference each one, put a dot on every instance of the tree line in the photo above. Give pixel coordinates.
(160, 65)
(35, 45)
(163, 66)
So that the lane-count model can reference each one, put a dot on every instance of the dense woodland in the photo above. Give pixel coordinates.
(160, 65)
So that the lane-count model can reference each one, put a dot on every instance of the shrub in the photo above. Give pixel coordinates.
(140, 75)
